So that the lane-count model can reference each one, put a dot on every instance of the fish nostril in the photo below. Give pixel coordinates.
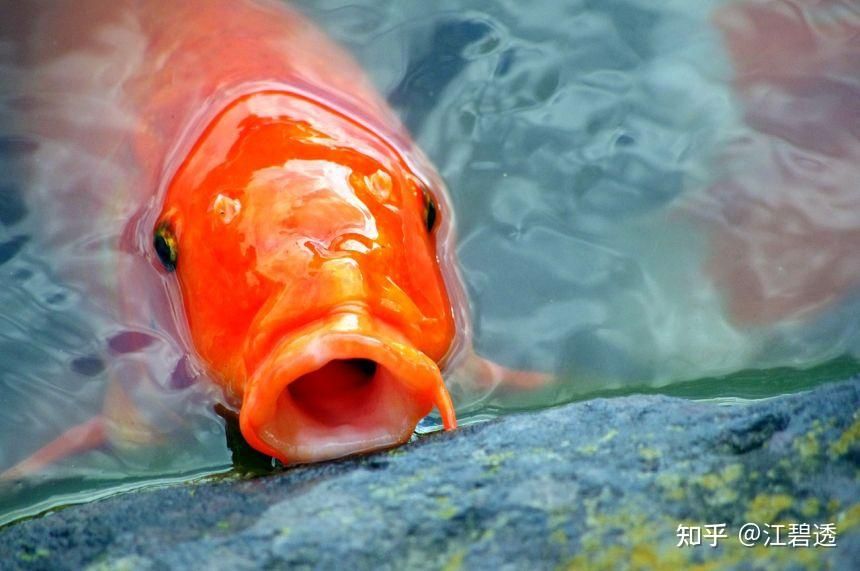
(226, 208)
(352, 242)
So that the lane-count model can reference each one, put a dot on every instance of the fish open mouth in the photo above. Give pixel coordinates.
(344, 385)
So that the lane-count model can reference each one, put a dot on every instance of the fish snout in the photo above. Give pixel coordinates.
(343, 385)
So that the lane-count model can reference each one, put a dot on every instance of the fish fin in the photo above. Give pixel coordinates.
(119, 424)
(246, 459)
(80, 438)
(124, 423)
(485, 374)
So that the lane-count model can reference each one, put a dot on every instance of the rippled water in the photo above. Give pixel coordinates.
(649, 197)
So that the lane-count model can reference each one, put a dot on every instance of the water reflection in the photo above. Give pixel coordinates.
(596, 167)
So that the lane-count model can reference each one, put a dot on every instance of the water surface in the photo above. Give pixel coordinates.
(646, 201)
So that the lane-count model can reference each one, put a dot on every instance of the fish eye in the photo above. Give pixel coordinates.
(431, 211)
(166, 246)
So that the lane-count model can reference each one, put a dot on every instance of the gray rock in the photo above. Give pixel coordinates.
(597, 484)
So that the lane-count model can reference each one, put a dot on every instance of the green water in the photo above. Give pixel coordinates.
(585, 146)
(736, 388)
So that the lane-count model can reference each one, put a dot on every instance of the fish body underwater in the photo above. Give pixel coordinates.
(278, 222)
(785, 215)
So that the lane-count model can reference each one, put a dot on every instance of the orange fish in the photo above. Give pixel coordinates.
(306, 245)
(304, 248)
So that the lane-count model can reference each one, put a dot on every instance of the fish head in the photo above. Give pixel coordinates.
(305, 252)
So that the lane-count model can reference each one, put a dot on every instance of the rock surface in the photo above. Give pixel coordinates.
(597, 484)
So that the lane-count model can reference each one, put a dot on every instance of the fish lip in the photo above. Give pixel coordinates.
(264, 338)
(272, 423)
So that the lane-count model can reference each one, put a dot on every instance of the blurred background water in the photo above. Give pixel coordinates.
(597, 154)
